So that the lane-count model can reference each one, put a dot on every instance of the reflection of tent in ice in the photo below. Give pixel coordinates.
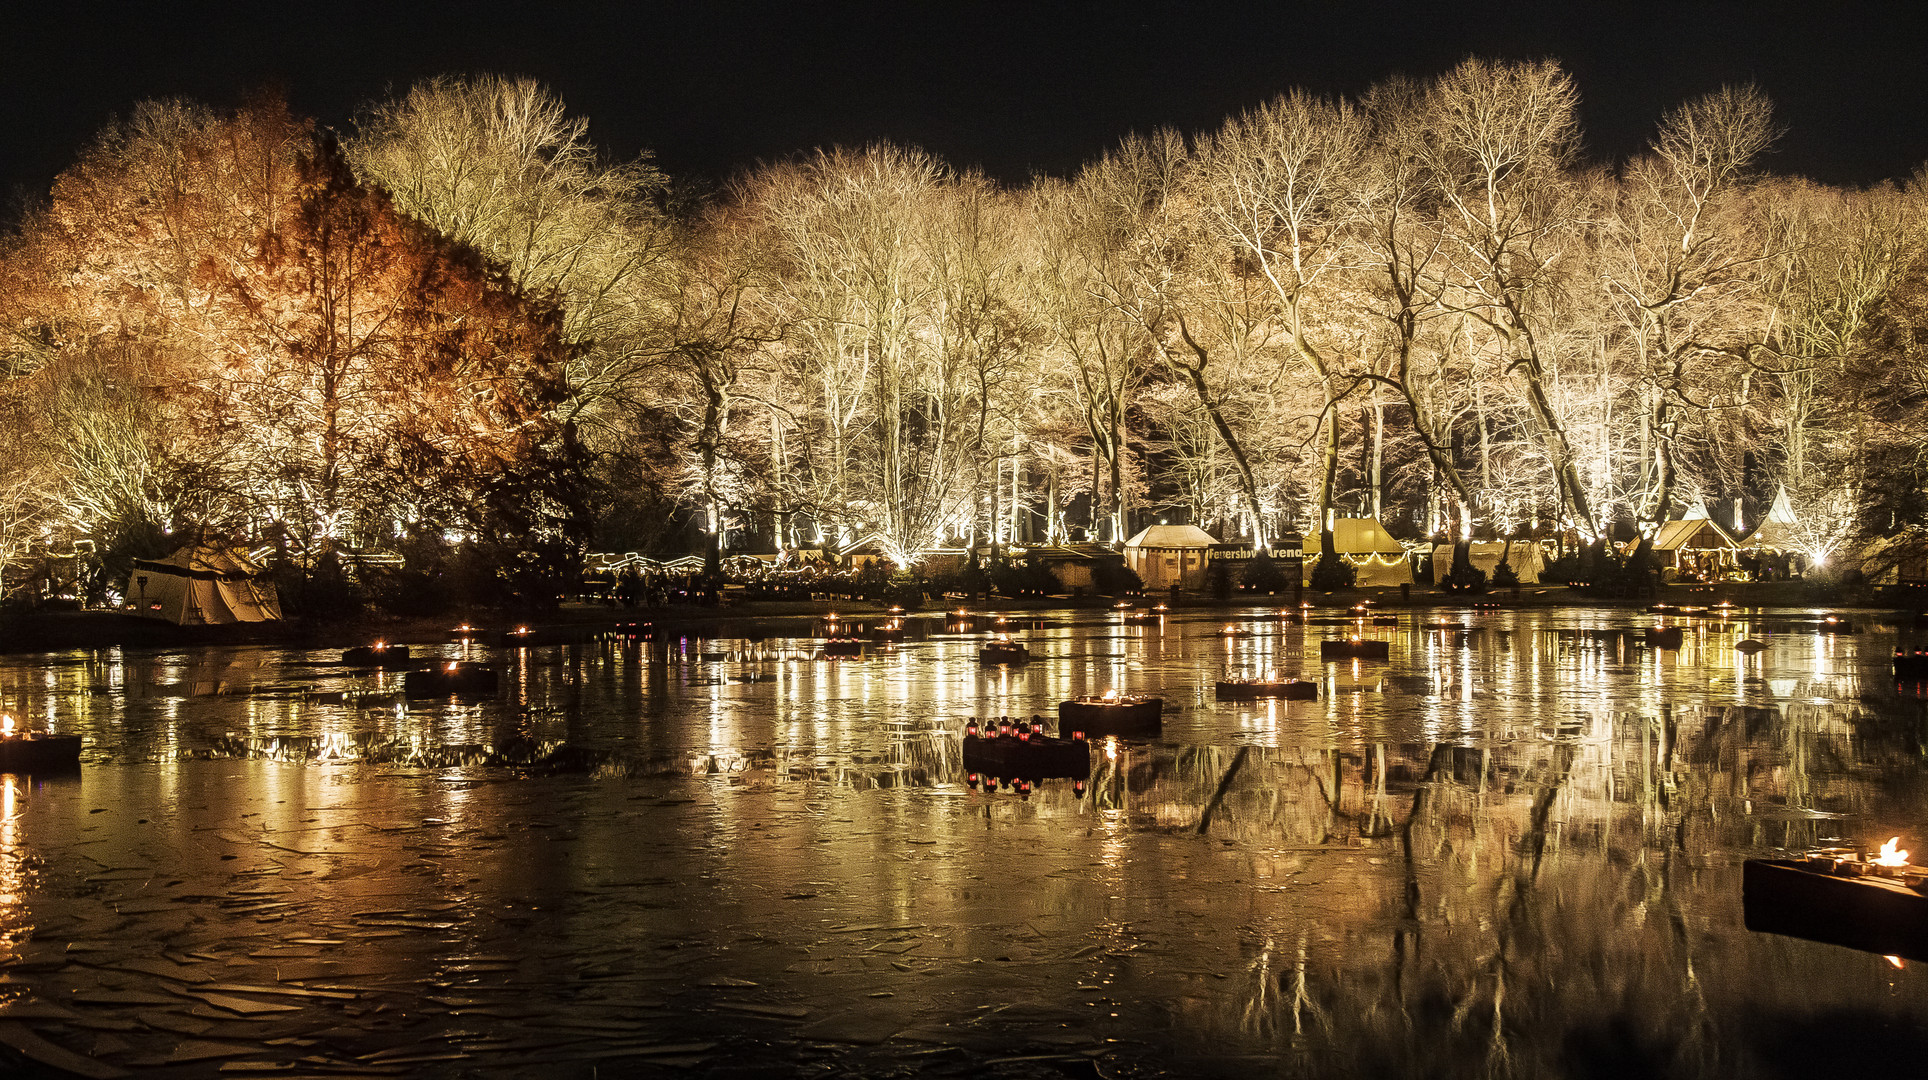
(1376, 557)
(1526, 559)
(1778, 533)
(1167, 555)
(198, 585)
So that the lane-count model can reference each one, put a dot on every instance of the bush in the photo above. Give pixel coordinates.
(1112, 577)
(1263, 574)
(1833, 584)
(1622, 578)
(1029, 578)
(1505, 577)
(905, 588)
(1464, 577)
(1333, 572)
(1564, 569)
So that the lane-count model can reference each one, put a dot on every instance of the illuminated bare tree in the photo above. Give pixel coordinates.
(1500, 156)
(500, 165)
(1680, 268)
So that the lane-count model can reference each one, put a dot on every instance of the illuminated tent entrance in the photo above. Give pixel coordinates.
(201, 586)
(1377, 559)
(1695, 548)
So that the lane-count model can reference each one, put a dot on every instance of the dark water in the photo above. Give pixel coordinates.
(1515, 852)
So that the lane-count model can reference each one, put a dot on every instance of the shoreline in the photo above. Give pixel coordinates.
(84, 630)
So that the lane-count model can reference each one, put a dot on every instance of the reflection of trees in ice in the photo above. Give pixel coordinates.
(1557, 896)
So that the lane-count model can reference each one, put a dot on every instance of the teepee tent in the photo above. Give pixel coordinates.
(202, 586)
(1780, 531)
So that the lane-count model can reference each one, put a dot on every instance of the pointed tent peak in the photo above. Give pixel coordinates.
(208, 559)
(1692, 533)
(1697, 512)
(1357, 536)
(1172, 537)
(1782, 512)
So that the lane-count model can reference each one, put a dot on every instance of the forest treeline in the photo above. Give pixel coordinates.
(457, 327)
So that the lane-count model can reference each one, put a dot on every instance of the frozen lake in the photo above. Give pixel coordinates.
(1511, 851)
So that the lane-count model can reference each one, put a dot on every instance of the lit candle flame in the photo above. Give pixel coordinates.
(451, 668)
(1111, 695)
(1890, 856)
(6, 724)
(1896, 961)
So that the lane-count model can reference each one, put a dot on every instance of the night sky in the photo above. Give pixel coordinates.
(1012, 88)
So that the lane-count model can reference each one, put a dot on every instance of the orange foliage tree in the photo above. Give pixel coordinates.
(336, 374)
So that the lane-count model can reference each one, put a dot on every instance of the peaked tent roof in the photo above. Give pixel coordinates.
(1674, 535)
(1777, 529)
(1172, 538)
(206, 561)
(1357, 536)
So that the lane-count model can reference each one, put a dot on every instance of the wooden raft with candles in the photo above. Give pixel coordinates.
(454, 678)
(1255, 689)
(1007, 749)
(1877, 905)
(1911, 666)
(1354, 649)
(36, 752)
(1122, 715)
(379, 655)
(1003, 651)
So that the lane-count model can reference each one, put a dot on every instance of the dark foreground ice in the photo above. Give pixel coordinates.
(1510, 853)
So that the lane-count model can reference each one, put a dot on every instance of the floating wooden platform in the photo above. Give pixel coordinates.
(39, 753)
(1354, 649)
(1254, 689)
(1665, 637)
(1037, 757)
(1127, 716)
(455, 679)
(376, 656)
(1003, 652)
(1796, 898)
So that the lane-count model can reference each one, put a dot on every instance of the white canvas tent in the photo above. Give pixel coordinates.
(1526, 559)
(202, 586)
(1780, 531)
(1167, 555)
(1377, 559)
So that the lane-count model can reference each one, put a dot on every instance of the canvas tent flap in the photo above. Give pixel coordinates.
(1526, 559)
(1778, 532)
(202, 586)
(1356, 536)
